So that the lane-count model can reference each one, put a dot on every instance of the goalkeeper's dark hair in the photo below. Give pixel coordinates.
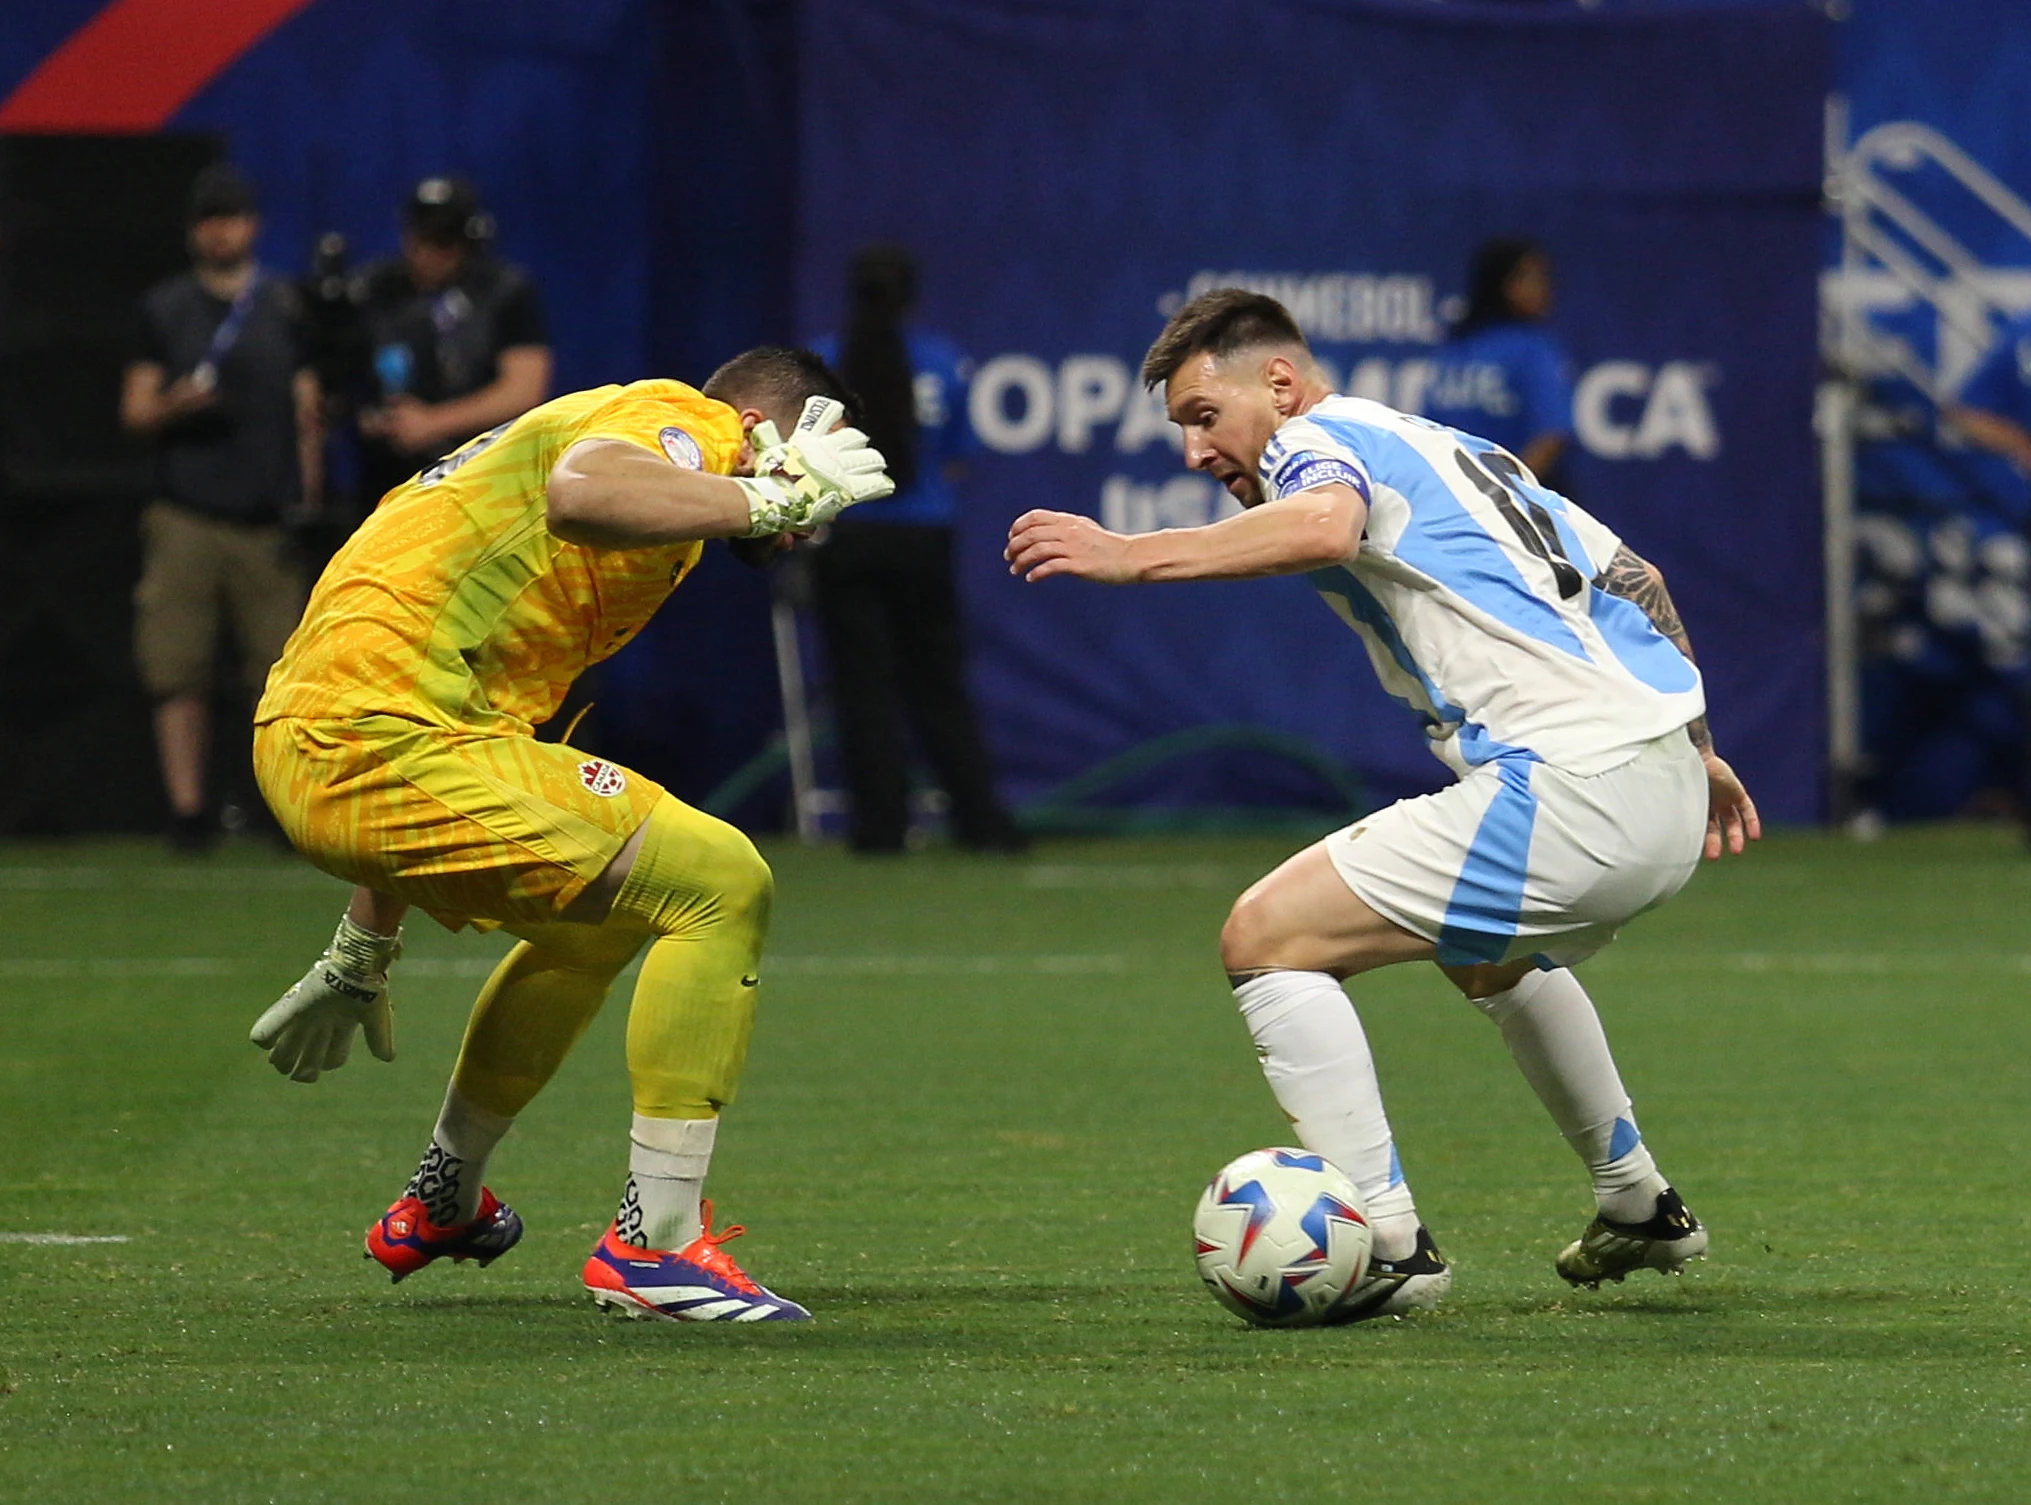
(875, 356)
(1219, 323)
(779, 379)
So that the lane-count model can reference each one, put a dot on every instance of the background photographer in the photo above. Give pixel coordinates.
(222, 383)
(454, 337)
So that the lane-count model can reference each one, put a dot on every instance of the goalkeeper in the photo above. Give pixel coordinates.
(395, 745)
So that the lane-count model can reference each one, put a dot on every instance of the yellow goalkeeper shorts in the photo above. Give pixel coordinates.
(468, 827)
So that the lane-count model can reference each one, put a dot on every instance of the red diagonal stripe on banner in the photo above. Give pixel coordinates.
(138, 62)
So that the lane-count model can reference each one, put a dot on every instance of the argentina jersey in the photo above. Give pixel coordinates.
(1473, 591)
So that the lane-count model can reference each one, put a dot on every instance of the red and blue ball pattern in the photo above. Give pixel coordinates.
(1280, 1237)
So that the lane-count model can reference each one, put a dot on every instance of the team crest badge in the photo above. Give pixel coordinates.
(682, 449)
(601, 777)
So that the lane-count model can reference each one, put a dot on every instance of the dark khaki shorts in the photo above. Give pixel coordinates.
(195, 568)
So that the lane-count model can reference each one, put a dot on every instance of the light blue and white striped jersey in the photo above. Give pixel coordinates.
(1473, 591)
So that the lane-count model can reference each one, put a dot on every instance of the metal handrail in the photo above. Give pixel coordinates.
(1871, 207)
(1873, 214)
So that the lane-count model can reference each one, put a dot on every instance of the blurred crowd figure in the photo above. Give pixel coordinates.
(887, 602)
(223, 383)
(454, 337)
(242, 376)
(1502, 374)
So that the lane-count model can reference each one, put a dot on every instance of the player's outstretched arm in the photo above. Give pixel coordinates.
(609, 494)
(1303, 532)
(1732, 821)
(309, 1029)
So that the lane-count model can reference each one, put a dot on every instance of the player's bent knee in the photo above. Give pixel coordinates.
(695, 871)
(1248, 938)
(739, 875)
(754, 883)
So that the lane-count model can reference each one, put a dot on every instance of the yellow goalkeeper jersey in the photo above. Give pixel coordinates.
(456, 606)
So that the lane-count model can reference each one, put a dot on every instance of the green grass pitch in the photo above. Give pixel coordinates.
(982, 1100)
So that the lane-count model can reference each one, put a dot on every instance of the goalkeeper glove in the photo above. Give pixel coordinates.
(310, 1028)
(817, 473)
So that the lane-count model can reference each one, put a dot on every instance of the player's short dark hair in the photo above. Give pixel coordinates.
(779, 379)
(1218, 324)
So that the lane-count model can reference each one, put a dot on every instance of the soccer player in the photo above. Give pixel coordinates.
(1553, 677)
(395, 745)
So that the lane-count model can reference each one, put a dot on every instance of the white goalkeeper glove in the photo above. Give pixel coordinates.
(817, 473)
(310, 1028)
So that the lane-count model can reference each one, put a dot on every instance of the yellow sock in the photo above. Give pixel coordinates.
(703, 890)
(528, 1016)
(535, 1006)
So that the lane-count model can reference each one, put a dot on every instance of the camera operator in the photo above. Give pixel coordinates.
(455, 338)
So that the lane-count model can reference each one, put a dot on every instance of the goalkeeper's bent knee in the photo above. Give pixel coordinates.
(693, 873)
(705, 891)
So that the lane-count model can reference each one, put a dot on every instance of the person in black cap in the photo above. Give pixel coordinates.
(223, 384)
(456, 338)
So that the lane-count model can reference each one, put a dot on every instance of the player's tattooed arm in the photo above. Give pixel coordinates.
(1634, 578)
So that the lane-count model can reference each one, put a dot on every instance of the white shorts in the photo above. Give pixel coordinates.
(1522, 859)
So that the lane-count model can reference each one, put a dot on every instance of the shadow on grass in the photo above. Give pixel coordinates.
(492, 1305)
(1657, 1299)
(993, 1322)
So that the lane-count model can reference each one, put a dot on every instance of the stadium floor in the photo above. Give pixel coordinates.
(982, 1100)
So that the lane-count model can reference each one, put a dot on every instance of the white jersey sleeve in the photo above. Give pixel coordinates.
(1299, 459)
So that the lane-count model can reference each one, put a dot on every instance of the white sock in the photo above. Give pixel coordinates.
(667, 1162)
(1316, 1058)
(1551, 1029)
(448, 1181)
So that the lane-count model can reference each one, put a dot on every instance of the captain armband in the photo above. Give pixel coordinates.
(1308, 469)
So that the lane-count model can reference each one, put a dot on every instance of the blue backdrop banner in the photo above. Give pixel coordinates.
(1069, 173)
(1932, 111)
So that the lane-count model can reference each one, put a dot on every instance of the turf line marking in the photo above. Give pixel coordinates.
(30, 968)
(172, 880)
(119, 966)
(1830, 963)
(876, 965)
(879, 965)
(64, 1238)
(899, 964)
(1059, 875)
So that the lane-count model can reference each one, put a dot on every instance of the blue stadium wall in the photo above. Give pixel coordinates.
(684, 179)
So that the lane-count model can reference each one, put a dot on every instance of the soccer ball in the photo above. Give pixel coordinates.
(1281, 1236)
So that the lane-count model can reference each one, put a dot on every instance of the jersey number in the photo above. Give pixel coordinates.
(472, 449)
(1524, 513)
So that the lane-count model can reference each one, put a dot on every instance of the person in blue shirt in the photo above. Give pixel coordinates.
(887, 603)
(1502, 374)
